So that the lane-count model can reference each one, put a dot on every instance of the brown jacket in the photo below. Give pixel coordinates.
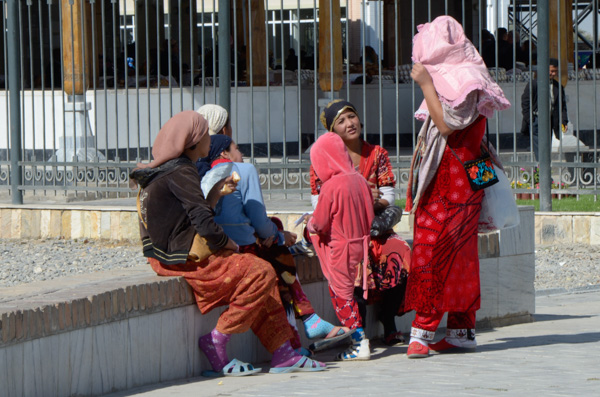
(174, 209)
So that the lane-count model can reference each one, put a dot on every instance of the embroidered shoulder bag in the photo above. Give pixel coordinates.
(480, 172)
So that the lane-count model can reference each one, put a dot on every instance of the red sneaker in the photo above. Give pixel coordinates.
(444, 346)
(417, 350)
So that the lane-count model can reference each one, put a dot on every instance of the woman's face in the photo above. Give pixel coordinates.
(233, 153)
(204, 146)
(347, 126)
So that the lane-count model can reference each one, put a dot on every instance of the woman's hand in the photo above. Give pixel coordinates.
(376, 193)
(289, 238)
(232, 245)
(217, 190)
(420, 75)
(268, 242)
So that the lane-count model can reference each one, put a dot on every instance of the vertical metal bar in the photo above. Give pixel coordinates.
(224, 55)
(251, 71)
(363, 46)
(32, 88)
(104, 75)
(595, 75)
(299, 85)
(544, 106)
(577, 114)
(347, 56)
(380, 5)
(126, 98)
(283, 119)
(6, 92)
(136, 34)
(315, 68)
(14, 74)
(236, 77)
(83, 97)
(192, 26)
(269, 84)
(149, 61)
(94, 80)
(414, 122)
(116, 78)
(49, 2)
(180, 53)
(331, 44)
(214, 51)
(43, 81)
(203, 61)
(397, 79)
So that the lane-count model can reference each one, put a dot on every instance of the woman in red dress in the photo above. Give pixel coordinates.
(459, 95)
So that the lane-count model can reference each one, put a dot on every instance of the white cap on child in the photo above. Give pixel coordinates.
(215, 115)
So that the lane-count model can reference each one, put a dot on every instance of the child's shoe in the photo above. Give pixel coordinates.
(302, 247)
(359, 350)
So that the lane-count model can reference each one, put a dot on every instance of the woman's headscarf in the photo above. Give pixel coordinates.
(180, 132)
(455, 66)
(215, 115)
(218, 143)
(329, 157)
(333, 110)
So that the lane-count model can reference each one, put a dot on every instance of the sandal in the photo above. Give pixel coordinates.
(394, 339)
(234, 368)
(305, 364)
(331, 338)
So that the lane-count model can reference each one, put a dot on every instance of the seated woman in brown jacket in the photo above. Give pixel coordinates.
(172, 211)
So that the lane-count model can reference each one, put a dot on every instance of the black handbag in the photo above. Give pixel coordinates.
(385, 220)
(480, 172)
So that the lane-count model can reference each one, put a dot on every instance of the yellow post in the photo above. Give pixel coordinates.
(561, 34)
(258, 58)
(330, 52)
(74, 14)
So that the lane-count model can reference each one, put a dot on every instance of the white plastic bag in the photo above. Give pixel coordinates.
(498, 208)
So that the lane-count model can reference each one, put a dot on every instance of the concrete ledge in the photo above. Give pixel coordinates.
(99, 333)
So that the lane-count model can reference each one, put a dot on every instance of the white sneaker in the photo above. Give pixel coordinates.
(357, 351)
(302, 247)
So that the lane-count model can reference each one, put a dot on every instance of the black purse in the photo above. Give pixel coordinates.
(480, 172)
(385, 220)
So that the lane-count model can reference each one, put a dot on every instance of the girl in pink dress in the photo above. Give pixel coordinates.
(340, 231)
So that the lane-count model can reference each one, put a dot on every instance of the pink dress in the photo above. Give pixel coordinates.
(340, 226)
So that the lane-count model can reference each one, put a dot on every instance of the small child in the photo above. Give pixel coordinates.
(340, 231)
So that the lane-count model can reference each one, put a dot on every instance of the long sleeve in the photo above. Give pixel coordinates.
(565, 116)
(254, 207)
(186, 189)
(320, 222)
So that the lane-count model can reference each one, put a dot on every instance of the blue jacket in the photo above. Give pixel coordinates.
(242, 213)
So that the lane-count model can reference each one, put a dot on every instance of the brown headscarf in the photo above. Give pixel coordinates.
(181, 132)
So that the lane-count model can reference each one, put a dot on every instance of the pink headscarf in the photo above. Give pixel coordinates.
(455, 66)
(181, 132)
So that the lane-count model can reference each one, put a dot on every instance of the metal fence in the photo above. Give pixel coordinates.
(95, 80)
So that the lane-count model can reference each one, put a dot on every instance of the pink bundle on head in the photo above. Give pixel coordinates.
(455, 66)
(181, 132)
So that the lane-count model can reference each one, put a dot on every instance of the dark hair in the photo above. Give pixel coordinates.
(553, 62)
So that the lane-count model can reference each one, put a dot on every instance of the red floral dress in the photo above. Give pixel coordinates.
(445, 263)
